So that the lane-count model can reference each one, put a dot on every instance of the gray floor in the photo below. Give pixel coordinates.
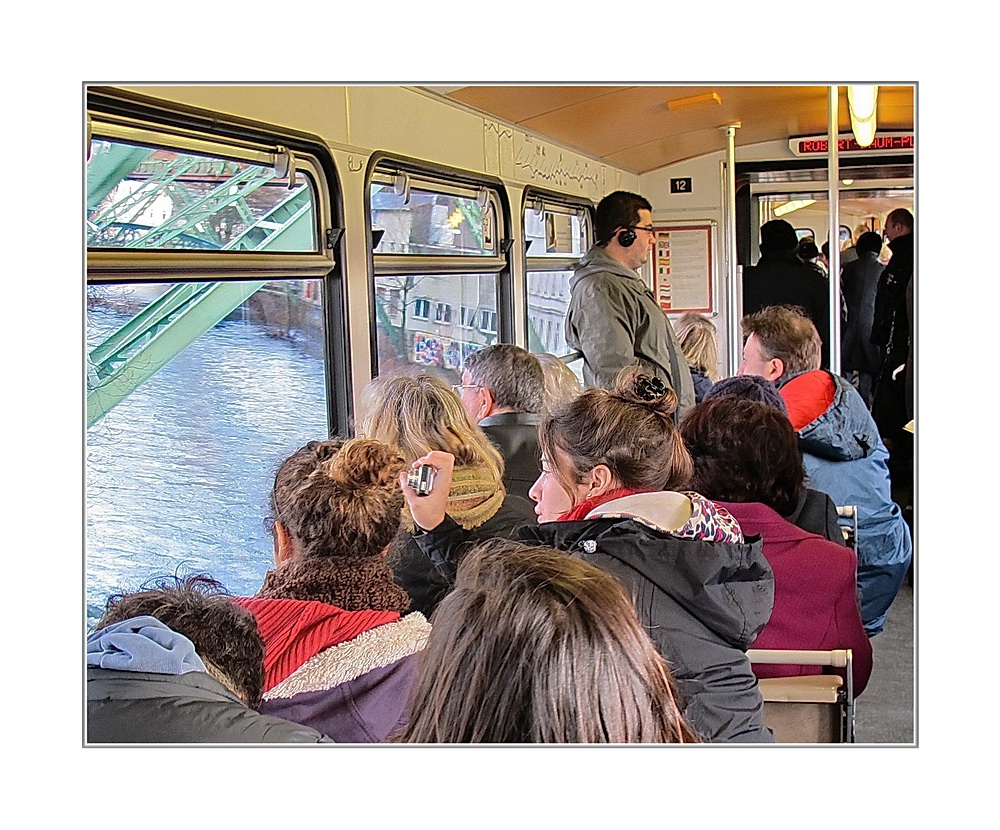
(884, 712)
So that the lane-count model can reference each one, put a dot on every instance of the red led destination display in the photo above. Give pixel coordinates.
(883, 143)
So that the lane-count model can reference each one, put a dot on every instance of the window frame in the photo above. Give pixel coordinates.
(560, 204)
(124, 115)
(449, 181)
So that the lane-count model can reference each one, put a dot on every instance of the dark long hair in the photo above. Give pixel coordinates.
(534, 646)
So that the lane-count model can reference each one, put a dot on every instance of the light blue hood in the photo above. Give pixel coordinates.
(142, 644)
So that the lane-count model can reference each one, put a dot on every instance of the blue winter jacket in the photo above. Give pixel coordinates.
(845, 458)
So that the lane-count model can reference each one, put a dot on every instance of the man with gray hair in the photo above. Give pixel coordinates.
(503, 389)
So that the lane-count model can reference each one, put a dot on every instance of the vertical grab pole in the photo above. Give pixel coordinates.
(734, 279)
(833, 184)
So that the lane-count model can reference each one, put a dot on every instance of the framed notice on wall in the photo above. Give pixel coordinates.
(684, 266)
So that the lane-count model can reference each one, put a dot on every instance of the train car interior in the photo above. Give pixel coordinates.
(256, 254)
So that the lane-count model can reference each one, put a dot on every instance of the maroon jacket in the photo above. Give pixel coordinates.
(815, 599)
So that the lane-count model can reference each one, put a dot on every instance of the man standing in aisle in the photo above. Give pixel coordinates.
(613, 317)
(781, 278)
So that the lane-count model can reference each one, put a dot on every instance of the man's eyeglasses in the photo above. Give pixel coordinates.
(458, 387)
(646, 228)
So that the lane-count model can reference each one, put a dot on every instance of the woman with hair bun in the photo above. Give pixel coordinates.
(340, 655)
(611, 492)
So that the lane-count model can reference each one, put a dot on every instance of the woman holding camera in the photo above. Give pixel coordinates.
(420, 415)
(611, 493)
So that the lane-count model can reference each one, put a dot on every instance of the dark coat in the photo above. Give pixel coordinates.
(891, 333)
(784, 279)
(428, 580)
(146, 707)
(816, 513)
(515, 434)
(859, 281)
(703, 603)
(890, 327)
(702, 383)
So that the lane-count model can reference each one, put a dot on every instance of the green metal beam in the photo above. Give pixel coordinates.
(200, 314)
(183, 313)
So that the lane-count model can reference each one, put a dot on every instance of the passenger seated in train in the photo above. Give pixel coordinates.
(503, 390)
(340, 651)
(560, 382)
(416, 416)
(747, 459)
(534, 646)
(612, 462)
(814, 511)
(696, 334)
(180, 662)
(843, 453)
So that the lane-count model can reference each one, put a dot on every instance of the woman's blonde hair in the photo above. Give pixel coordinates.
(560, 382)
(697, 338)
(421, 414)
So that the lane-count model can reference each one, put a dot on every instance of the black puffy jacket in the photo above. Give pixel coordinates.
(703, 604)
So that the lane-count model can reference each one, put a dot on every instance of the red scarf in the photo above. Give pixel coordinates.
(295, 631)
(584, 507)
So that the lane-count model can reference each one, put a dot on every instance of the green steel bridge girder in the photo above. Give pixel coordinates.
(203, 312)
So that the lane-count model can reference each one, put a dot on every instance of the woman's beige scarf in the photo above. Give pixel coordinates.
(474, 498)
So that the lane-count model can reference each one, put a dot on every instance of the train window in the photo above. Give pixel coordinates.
(206, 351)
(179, 460)
(437, 265)
(558, 234)
(158, 198)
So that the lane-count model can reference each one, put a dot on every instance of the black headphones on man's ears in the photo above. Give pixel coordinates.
(626, 237)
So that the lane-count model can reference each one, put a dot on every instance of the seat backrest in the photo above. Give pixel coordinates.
(813, 708)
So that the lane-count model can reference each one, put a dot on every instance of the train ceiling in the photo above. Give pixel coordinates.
(643, 128)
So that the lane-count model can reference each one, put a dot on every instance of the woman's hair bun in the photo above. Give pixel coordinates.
(649, 391)
(362, 463)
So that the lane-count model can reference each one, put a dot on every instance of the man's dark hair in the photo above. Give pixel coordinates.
(744, 451)
(617, 210)
(225, 635)
(901, 216)
(870, 242)
(513, 375)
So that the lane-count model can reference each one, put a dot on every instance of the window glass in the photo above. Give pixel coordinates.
(180, 459)
(548, 301)
(553, 233)
(155, 198)
(418, 328)
(558, 236)
(421, 222)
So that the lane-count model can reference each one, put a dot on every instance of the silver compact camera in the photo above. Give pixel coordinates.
(421, 479)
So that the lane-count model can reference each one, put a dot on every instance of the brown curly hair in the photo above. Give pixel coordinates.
(339, 498)
(225, 635)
